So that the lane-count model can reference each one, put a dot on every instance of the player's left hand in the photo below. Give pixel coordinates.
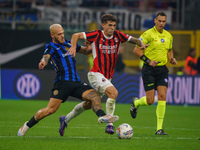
(41, 65)
(72, 52)
(173, 61)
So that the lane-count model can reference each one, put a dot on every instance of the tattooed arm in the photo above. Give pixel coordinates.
(137, 41)
(44, 61)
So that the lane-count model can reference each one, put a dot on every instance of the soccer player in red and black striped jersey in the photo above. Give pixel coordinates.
(105, 44)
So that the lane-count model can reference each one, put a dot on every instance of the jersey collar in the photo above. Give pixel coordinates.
(107, 37)
(157, 30)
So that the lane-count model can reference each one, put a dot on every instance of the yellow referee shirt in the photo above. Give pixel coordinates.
(160, 44)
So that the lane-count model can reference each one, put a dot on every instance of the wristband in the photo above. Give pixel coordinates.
(145, 59)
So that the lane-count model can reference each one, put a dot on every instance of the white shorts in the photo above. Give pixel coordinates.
(99, 82)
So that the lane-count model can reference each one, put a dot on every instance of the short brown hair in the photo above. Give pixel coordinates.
(108, 17)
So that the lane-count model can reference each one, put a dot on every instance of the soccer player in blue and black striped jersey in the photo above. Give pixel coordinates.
(67, 83)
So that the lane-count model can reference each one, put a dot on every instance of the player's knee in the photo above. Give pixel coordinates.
(91, 95)
(162, 97)
(87, 105)
(150, 100)
(113, 94)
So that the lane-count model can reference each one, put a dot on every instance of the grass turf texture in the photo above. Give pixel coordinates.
(181, 123)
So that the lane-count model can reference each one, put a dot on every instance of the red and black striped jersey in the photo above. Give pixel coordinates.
(105, 50)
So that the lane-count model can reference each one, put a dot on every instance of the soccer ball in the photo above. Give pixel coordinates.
(124, 131)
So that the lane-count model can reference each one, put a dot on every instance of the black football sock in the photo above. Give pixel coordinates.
(31, 122)
(100, 113)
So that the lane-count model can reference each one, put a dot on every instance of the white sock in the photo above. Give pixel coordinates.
(78, 109)
(110, 108)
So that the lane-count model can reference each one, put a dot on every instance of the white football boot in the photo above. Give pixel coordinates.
(108, 119)
(22, 131)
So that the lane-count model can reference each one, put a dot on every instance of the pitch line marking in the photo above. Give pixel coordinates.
(93, 126)
(84, 137)
(83, 126)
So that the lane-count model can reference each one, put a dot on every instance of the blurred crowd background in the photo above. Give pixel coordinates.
(134, 17)
(184, 12)
(24, 31)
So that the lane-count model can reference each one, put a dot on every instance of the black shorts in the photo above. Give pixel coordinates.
(63, 89)
(154, 76)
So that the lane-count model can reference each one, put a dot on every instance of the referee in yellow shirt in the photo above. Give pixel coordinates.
(154, 71)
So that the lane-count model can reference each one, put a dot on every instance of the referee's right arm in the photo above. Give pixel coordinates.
(137, 51)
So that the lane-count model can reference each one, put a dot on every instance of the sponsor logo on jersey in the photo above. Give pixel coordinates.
(64, 55)
(166, 80)
(108, 49)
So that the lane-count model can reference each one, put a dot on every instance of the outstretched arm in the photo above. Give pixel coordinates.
(137, 51)
(74, 39)
(137, 41)
(44, 61)
(87, 49)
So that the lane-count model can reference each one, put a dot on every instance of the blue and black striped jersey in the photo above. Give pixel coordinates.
(64, 64)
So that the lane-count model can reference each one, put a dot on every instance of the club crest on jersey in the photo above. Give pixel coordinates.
(103, 80)
(162, 40)
(66, 48)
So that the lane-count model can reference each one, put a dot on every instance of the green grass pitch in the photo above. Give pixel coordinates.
(181, 123)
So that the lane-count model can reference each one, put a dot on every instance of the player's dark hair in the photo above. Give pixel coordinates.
(160, 13)
(108, 17)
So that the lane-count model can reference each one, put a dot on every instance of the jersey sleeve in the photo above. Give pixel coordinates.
(47, 49)
(171, 42)
(91, 36)
(144, 38)
(123, 36)
(78, 47)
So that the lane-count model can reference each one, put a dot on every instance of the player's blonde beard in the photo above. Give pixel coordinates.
(61, 41)
(110, 106)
